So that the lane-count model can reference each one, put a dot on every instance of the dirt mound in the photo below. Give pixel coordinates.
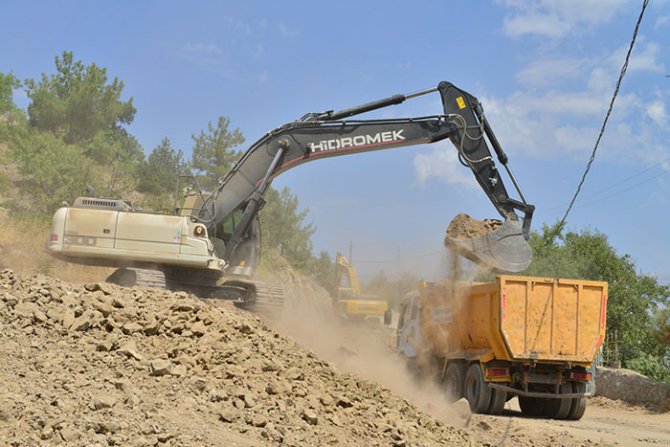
(633, 388)
(101, 365)
(465, 227)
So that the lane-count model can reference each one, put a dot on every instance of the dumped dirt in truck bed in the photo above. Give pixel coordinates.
(465, 227)
(99, 365)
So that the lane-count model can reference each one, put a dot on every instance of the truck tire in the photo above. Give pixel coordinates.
(559, 408)
(453, 381)
(498, 399)
(532, 406)
(477, 391)
(578, 404)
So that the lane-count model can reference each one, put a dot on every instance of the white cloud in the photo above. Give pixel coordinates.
(202, 49)
(260, 50)
(656, 111)
(558, 18)
(442, 163)
(286, 31)
(662, 22)
(204, 54)
(548, 71)
(643, 58)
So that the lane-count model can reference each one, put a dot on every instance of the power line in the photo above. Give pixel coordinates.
(602, 129)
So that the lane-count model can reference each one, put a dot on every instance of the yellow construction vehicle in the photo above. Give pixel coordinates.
(530, 337)
(349, 302)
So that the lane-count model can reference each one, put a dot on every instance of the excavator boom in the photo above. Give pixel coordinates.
(323, 135)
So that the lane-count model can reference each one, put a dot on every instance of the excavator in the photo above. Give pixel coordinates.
(212, 245)
(349, 302)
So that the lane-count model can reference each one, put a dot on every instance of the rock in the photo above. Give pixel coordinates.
(164, 437)
(92, 287)
(230, 415)
(68, 317)
(102, 401)
(198, 329)
(82, 323)
(484, 426)
(151, 327)
(344, 402)
(104, 308)
(309, 416)
(249, 401)
(39, 317)
(131, 328)
(258, 420)
(25, 309)
(294, 373)
(119, 303)
(245, 328)
(69, 434)
(326, 399)
(129, 349)
(105, 346)
(177, 370)
(159, 367)
(199, 383)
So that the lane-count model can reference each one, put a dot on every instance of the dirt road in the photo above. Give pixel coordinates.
(605, 423)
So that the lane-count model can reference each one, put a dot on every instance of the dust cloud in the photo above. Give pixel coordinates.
(367, 349)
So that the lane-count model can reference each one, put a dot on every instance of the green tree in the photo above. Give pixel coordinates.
(214, 153)
(633, 298)
(8, 83)
(77, 102)
(283, 227)
(159, 174)
(322, 269)
(53, 171)
(118, 159)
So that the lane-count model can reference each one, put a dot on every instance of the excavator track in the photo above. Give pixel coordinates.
(259, 298)
(268, 300)
(136, 277)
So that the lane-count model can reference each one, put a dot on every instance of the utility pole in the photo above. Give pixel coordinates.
(351, 245)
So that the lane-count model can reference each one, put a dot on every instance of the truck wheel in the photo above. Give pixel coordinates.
(453, 382)
(578, 404)
(498, 399)
(477, 392)
(559, 408)
(532, 406)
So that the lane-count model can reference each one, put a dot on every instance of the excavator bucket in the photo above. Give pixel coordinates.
(499, 246)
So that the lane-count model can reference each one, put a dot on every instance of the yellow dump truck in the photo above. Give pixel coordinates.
(535, 338)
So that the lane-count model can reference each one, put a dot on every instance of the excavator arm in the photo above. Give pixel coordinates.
(329, 134)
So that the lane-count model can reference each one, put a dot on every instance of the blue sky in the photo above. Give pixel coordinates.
(544, 71)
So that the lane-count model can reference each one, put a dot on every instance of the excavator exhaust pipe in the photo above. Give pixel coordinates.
(499, 246)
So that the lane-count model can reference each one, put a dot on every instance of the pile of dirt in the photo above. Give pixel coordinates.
(632, 387)
(465, 227)
(96, 364)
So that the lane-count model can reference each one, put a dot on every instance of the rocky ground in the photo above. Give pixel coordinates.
(99, 365)
(93, 364)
